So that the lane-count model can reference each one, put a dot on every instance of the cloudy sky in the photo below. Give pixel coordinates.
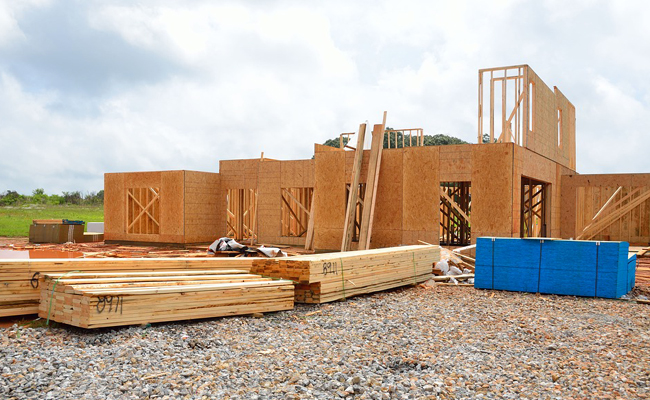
(88, 87)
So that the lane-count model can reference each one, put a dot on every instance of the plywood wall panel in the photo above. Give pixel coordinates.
(456, 163)
(363, 174)
(298, 173)
(172, 210)
(239, 174)
(114, 203)
(143, 179)
(492, 190)
(202, 214)
(330, 200)
(421, 192)
(269, 199)
(387, 225)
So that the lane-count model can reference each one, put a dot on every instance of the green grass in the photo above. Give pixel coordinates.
(15, 221)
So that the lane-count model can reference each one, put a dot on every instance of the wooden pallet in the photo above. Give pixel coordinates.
(91, 300)
(322, 278)
(19, 284)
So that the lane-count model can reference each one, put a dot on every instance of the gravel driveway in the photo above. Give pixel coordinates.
(414, 343)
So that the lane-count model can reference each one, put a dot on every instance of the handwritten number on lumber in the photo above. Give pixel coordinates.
(115, 303)
(330, 268)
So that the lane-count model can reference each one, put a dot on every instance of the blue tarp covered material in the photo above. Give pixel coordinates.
(569, 267)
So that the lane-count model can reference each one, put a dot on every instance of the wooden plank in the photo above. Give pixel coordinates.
(309, 239)
(21, 276)
(454, 205)
(333, 276)
(374, 165)
(353, 196)
(593, 220)
(618, 213)
(103, 302)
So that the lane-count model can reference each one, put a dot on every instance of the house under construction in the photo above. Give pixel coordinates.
(522, 182)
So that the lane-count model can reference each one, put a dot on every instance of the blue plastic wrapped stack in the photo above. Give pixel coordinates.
(568, 267)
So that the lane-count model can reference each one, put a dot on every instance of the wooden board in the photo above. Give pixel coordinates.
(20, 292)
(202, 207)
(374, 167)
(492, 190)
(353, 194)
(330, 200)
(421, 188)
(333, 276)
(91, 301)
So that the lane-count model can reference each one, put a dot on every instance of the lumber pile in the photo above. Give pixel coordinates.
(19, 283)
(322, 278)
(94, 300)
(643, 267)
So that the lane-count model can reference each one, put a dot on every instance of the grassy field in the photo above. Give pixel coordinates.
(15, 221)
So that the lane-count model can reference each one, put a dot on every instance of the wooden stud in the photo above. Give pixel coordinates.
(353, 196)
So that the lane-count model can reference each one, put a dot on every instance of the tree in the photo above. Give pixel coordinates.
(10, 197)
(39, 196)
(396, 140)
(72, 197)
(486, 138)
(336, 142)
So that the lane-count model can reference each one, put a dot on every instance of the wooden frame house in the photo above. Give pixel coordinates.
(519, 180)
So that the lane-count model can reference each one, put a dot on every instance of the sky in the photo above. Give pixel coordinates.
(89, 87)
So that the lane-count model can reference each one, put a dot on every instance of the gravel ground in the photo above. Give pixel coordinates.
(415, 343)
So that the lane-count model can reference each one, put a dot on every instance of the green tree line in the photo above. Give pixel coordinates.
(38, 196)
(396, 140)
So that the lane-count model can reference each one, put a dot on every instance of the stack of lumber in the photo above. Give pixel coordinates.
(93, 300)
(643, 266)
(19, 284)
(322, 278)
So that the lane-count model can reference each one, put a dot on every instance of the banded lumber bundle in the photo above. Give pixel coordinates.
(322, 278)
(94, 300)
(19, 293)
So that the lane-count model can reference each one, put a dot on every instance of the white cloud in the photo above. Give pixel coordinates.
(229, 80)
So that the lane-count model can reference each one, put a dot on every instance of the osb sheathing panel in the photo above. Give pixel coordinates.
(144, 179)
(298, 173)
(421, 194)
(456, 163)
(543, 138)
(387, 224)
(171, 185)
(492, 190)
(566, 151)
(269, 201)
(114, 205)
(239, 174)
(172, 213)
(202, 190)
(363, 174)
(330, 201)
(584, 195)
(320, 148)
